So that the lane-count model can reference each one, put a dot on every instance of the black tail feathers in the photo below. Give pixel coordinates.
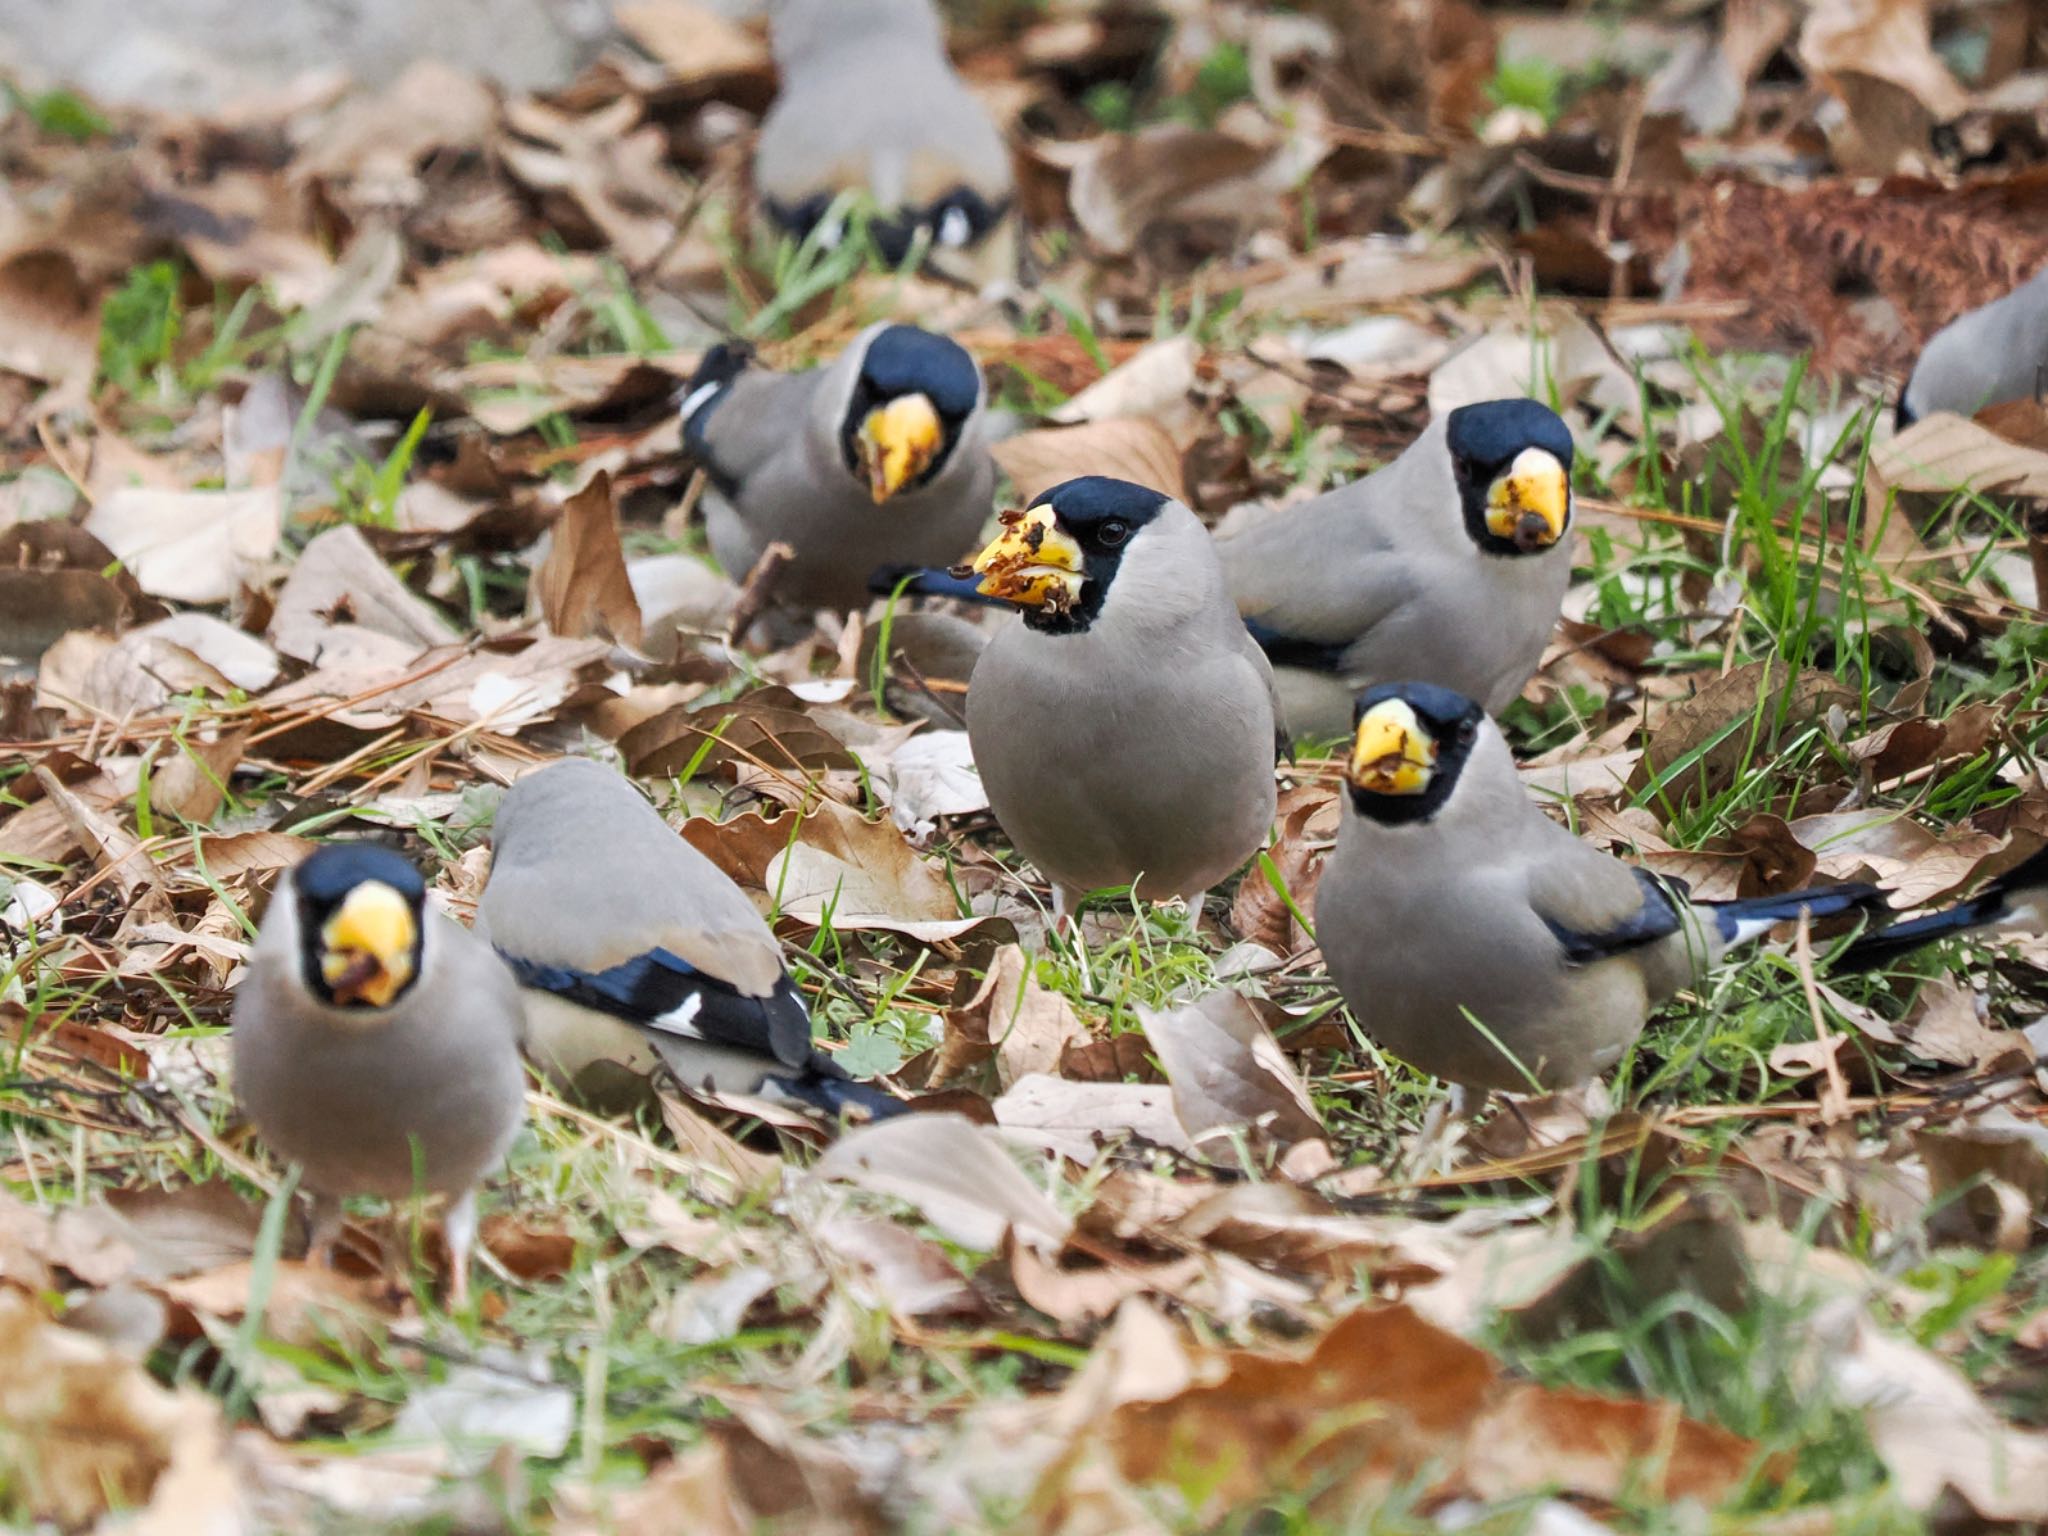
(1749, 918)
(834, 1096)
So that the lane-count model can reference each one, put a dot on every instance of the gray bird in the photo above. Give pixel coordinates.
(376, 1044)
(1448, 565)
(1986, 356)
(635, 951)
(1124, 726)
(877, 459)
(870, 104)
(1481, 942)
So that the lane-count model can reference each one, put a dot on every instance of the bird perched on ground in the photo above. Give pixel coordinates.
(876, 459)
(1124, 726)
(869, 104)
(2014, 904)
(636, 951)
(1477, 939)
(376, 1045)
(1983, 357)
(1448, 565)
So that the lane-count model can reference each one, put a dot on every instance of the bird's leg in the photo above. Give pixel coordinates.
(1442, 1128)
(324, 1232)
(460, 1226)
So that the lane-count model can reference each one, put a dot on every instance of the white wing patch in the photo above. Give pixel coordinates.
(679, 1021)
(695, 400)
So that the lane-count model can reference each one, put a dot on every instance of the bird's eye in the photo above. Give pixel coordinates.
(1112, 533)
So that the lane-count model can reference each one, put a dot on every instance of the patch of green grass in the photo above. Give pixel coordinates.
(60, 112)
(139, 328)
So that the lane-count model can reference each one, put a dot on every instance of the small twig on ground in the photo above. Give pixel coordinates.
(756, 591)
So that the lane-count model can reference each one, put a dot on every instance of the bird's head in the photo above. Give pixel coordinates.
(1409, 744)
(360, 924)
(1057, 559)
(914, 394)
(1512, 460)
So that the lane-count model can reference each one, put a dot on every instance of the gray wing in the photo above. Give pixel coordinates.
(1313, 580)
(1595, 905)
(741, 431)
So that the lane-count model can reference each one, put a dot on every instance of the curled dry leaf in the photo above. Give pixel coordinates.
(1130, 448)
(190, 546)
(1126, 184)
(1026, 1026)
(340, 601)
(1711, 732)
(88, 1429)
(582, 585)
(861, 874)
(1154, 384)
(1228, 1072)
(1077, 1119)
(1928, 1424)
(959, 1175)
(1382, 1400)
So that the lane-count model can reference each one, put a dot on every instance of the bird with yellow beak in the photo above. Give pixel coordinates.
(376, 1044)
(1448, 566)
(1124, 726)
(876, 459)
(1481, 942)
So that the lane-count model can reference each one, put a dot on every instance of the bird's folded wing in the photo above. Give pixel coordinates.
(1308, 599)
(659, 990)
(749, 417)
(1598, 907)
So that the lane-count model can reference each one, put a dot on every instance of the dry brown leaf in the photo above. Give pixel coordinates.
(1884, 40)
(692, 42)
(49, 322)
(581, 585)
(1944, 1026)
(1076, 1295)
(341, 603)
(88, 1429)
(1076, 1119)
(1728, 721)
(190, 546)
(1027, 1026)
(1988, 1181)
(863, 875)
(1123, 447)
(1228, 1072)
(303, 1303)
(956, 1173)
(1928, 1424)
(1942, 454)
(1283, 1225)
(726, 1173)
(191, 778)
(1386, 1399)
(1126, 184)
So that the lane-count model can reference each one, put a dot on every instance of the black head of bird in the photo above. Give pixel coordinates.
(360, 924)
(1512, 460)
(1409, 745)
(913, 395)
(1057, 559)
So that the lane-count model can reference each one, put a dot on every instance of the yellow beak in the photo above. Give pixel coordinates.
(1531, 503)
(1392, 754)
(1032, 563)
(898, 443)
(367, 946)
